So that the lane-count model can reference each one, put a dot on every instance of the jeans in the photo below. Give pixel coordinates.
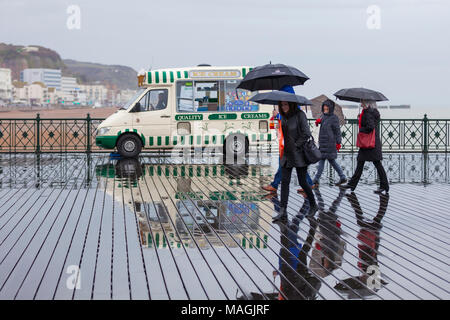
(384, 184)
(334, 164)
(286, 180)
(277, 178)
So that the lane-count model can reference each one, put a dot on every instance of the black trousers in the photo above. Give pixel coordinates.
(286, 180)
(384, 184)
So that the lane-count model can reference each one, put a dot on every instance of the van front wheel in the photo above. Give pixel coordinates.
(129, 145)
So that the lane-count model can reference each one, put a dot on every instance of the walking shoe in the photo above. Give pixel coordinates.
(281, 216)
(312, 210)
(269, 188)
(301, 192)
(341, 181)
(381, 191)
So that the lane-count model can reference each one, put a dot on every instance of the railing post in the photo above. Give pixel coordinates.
(38, 133)
(425, 134)
(88, 134)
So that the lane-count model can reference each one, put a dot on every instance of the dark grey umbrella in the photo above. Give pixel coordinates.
(272, 77)
(274, 97)
(358, 94)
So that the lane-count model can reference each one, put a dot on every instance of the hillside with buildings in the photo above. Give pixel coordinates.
(120, 77)
(34, 75)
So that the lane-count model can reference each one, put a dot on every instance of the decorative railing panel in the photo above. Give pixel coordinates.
(78, 135)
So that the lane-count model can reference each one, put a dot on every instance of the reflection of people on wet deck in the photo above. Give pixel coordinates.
(369, 241)
(296, 282)
(329, 247)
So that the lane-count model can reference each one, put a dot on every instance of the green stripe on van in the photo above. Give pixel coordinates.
(178, 74)
(150, 141)
(149, 77)
(156, 77)
(159, 141)
(171, 76)
(164, 76)
(174, 140)
(244, 72)
(186, 75)
(167, 140)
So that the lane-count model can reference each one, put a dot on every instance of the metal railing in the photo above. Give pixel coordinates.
(78, 135)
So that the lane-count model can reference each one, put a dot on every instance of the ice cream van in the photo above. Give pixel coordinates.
(188, 107)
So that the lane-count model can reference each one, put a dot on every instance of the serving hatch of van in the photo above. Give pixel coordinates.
(188, 107)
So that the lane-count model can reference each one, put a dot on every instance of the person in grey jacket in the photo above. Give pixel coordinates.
(329, 141)
(295, 132)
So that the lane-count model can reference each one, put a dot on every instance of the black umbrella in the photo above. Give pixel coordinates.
(274, 97)
(272, 77)
(358, 94)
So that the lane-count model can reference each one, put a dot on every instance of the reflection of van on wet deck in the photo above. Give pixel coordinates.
(179, 204)
(188, 107)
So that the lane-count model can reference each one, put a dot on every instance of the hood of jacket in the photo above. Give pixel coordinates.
(330, 104)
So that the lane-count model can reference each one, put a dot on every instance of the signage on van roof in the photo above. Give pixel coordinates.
(214, 74)
(172, 75)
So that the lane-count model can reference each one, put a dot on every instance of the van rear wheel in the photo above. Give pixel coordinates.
(129, 145)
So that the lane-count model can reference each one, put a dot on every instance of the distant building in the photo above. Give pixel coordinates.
(69, 89)
(5, 84)
(35, 94)
(50, 77)
(94, 93)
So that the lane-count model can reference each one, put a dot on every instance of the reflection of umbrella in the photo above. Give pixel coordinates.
(358, 94)
(357, 285)
(272, 77)
(274, 97)
(316, 108)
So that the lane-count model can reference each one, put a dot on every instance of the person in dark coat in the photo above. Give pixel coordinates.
(295, 132)
(329, 141)
(369, 120)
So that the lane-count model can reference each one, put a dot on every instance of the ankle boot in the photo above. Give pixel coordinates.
(281, 216)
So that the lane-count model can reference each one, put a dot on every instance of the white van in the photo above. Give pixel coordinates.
(188, 107)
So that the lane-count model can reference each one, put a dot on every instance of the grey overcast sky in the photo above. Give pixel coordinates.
(408, 58)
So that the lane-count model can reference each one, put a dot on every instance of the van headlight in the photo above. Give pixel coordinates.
(103, 131)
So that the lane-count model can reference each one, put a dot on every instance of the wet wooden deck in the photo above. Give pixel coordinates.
(79, 227)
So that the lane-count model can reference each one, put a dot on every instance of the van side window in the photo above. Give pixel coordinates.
(238, 100)
(213, 96)
(206, 96)
(185, 96)
(153, 100)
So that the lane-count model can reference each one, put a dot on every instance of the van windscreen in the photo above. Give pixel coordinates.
(131, 101)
